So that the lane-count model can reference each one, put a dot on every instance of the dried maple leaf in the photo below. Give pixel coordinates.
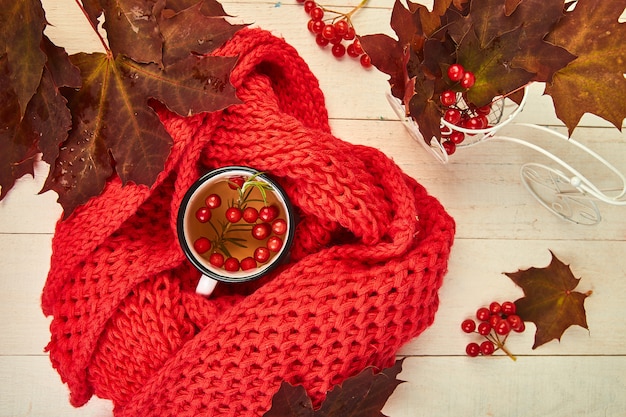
(392, 56)
(113, 122)
(538, 56)
(363, 395)
(431, 20)
(21, 24)
(208, 7)
(21, 68)
(46, 119)
(14, 151)
(491, 65)
(425, 109)
(503, 44)
(594, 82)
(133, 30)
(550, 300)
(389, 57)
(90, 114)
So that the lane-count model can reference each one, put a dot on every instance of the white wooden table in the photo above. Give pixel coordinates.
(500, 228)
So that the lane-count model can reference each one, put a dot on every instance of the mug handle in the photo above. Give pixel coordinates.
(206, 286)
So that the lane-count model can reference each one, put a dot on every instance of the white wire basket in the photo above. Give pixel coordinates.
(503, 113)
(559, 187)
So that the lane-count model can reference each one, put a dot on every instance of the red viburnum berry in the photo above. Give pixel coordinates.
(233, 214)
(262, 254)
(216, 259)
(261, 231)
(231, 264)
(202, 245)
(250, 214)
(213, 201)
(468, 80)
(449, 146)
(366, 61)
(338, 50)
(268, 213)
(468, 326)
(448, 98)
(203, 214)
(279, 226)
(472, 349)
(455, 72)
(248, 263)
(495, 325)
(274, 243)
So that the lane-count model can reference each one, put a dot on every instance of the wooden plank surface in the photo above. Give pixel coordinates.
(500, 228)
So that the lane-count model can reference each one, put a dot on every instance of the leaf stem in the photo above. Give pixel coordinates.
(95, 29)
(502, 97)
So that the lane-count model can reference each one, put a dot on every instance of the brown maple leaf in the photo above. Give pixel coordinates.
(363, 395)
(594, 82)
(90, 114)
(22, 23)
(425, 109)
(491, 64)
(117, 124)
(391, 56)
(538, 56)
(21, 69)
(502, 42)
(431, 19)
(133, 29)
(46, 118)
(550, 300)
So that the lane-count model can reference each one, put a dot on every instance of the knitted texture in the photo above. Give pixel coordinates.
(370, 251)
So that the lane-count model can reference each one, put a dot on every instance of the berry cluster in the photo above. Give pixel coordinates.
(337, 31)
(457, 111)
(263, 225)
(495, 323)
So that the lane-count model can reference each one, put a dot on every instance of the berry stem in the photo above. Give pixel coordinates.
(353, 11)
(348, 15)
(500, 344)
(508, 352)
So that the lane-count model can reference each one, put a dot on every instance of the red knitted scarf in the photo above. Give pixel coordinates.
(370, 251)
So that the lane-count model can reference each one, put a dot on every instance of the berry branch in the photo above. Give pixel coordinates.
(495, 325)
(334, 30)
